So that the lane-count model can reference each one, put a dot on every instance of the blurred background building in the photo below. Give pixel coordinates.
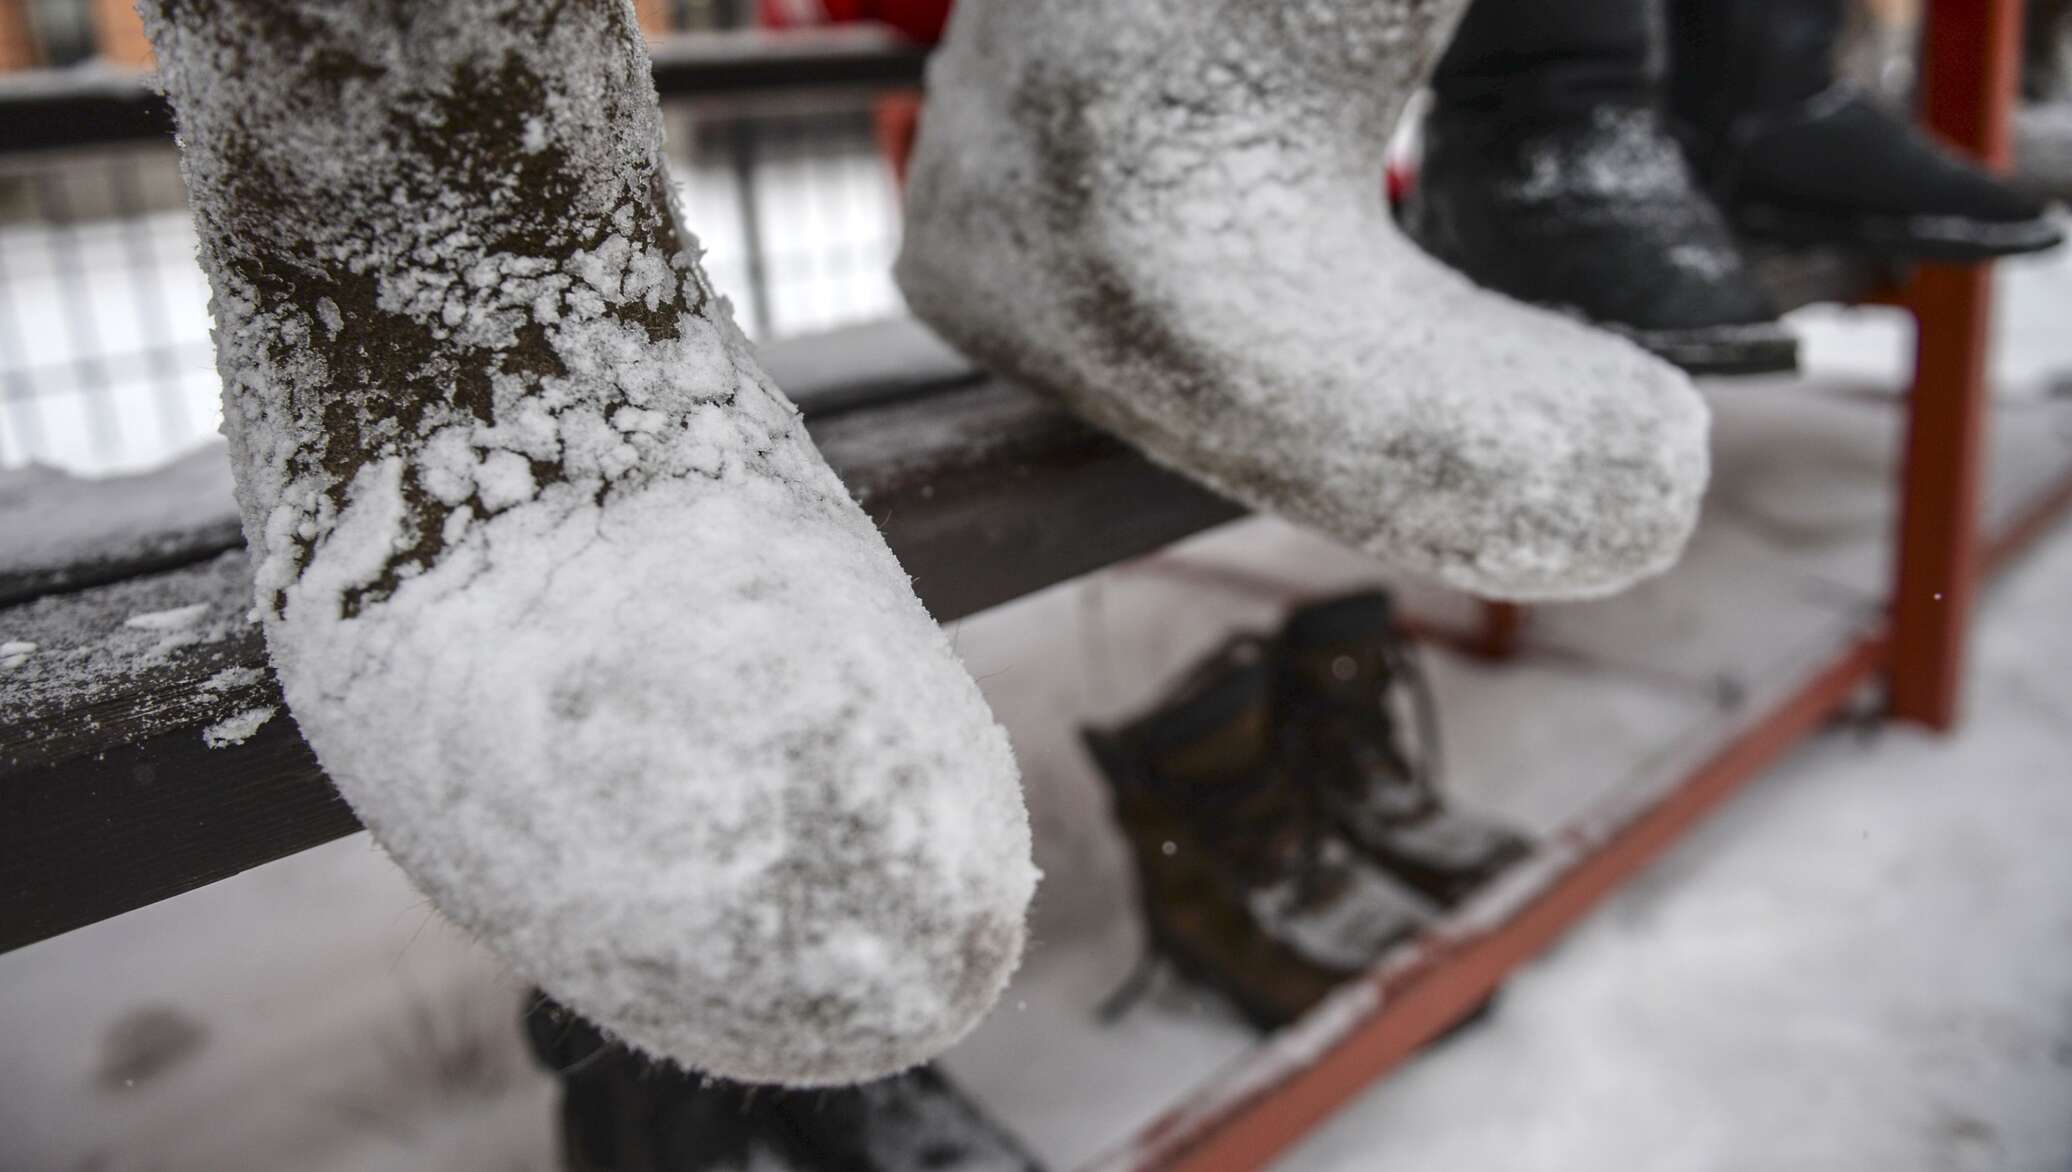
(105, 360)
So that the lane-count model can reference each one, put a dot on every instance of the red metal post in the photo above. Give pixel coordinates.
(653, 16)
(1972, 55)
(17, 38)
(896, 119)
(119, 34)
(1503, 624)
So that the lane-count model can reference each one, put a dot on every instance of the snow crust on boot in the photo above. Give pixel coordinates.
(556, 585)
(1168, 214)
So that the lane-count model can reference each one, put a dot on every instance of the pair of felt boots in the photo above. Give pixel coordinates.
(576, 617)
(1565, 165)
(1283, 810)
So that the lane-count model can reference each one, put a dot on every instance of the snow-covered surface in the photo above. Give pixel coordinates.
(115, 641)
(238, 728)
(1864, 963)
(1218, 280)
(555, 584)
(51, 520)
(1867, 955)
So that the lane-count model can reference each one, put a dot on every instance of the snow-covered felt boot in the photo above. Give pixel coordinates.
(621, 1113)
(1246, 886)
(1797, 157)
(555, 583)
(1167, 214)
(1352, 691)
(1548, 174)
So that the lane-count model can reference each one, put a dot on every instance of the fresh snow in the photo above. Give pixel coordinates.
(51, 520)
(233, 677)
(87, 651)
(177, 619)
(237, 729)
(570, 609)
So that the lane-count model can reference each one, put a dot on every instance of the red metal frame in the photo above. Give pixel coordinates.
(1968, 82)
(1245, 1121)
(1503, 625)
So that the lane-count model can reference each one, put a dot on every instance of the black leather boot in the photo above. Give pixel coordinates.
(1549, 175)
(2047, 51)
(1798, 158)
(623, 1113)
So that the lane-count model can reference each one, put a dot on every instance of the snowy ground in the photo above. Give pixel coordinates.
(1864, 963)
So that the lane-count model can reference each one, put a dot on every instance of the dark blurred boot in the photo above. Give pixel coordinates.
(1354, 690)
(1798, 158)
(1247, 888)
(622, 1113)
(2047, 51)
(2043, 126)
(1548, 175)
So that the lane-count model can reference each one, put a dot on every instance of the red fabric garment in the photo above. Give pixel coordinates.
(921, 20)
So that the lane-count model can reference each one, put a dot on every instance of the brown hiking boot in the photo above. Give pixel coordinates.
(1247, 887)
(1351, 689)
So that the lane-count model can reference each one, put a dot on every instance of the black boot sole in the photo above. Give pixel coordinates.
(1933, 239)
(1719, 351)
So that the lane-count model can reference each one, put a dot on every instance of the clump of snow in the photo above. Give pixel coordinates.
(175, 625)
(179, 618)
(236, 730)
(1199, 260)
(15, 653)
(231, 678)
(555, 584)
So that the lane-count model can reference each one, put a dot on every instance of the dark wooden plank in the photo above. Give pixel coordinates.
(989, 494)
(168, 550)
(109, 798)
